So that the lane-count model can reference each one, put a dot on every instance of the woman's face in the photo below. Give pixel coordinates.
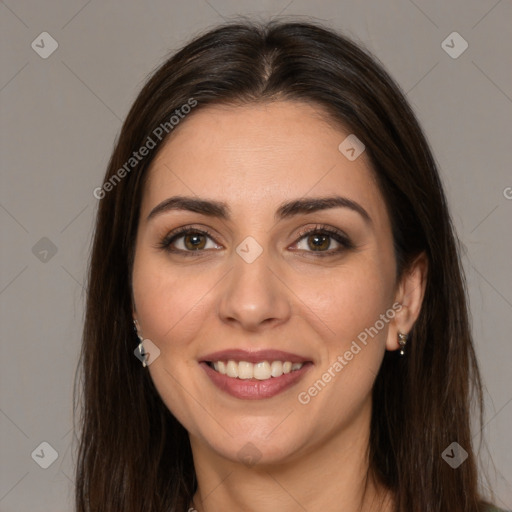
(252, 288)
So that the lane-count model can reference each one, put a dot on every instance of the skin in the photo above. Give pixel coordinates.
(254, 158)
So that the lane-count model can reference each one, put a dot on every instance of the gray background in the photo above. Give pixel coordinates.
(59, 120)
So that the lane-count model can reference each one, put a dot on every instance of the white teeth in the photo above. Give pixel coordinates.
(245, 370)
(276, 369)
(232, 369)
(262, 371)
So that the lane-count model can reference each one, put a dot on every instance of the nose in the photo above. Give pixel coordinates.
(254, 296)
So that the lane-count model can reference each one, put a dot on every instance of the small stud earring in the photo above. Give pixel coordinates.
(140, 346)
(402, 340)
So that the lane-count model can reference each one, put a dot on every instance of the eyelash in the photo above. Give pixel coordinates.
(337, 235)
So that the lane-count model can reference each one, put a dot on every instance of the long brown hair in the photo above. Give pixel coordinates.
(133, 454)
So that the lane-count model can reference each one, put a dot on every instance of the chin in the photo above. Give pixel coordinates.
(258, 448)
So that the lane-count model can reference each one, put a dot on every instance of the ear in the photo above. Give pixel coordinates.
(409, 295)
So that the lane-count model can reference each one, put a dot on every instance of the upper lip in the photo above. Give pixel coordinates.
(253, 356)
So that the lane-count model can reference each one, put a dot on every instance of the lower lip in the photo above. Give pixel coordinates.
(254, 389)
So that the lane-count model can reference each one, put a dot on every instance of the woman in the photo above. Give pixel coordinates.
(276, 313)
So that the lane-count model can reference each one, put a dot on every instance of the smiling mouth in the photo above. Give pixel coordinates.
(262, 370)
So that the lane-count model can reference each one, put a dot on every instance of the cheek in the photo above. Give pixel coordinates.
(350, 300)
(167, 300)
(356, 307)
(359, 303)
(170, 307)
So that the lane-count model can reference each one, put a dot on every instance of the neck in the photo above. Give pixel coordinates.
(331, 476)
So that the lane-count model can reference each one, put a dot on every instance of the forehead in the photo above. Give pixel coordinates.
(257, 155)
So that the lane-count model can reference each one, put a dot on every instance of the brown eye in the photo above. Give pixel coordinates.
(194, 241)
(188, 240)
(321, 239)
(318, 242)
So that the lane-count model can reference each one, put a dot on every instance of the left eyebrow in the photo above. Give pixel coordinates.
(288, 209)
(310, 205)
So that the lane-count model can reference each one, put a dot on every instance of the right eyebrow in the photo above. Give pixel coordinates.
(192, 204)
